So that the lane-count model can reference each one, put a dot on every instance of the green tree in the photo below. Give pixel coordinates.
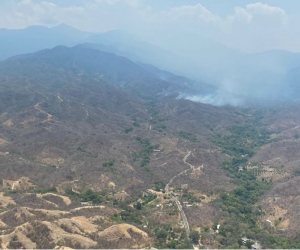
(138, 206)
(249, 243)
(161, 235)
(194, 236)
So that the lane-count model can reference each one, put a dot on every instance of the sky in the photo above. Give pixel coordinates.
(243, 25)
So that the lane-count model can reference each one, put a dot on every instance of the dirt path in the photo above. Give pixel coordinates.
(85, 207)
(185, 158)
(59, 98)
(37, 107)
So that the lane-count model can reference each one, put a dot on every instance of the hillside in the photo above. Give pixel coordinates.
(94, 155)
(98, 65)
(65, 129)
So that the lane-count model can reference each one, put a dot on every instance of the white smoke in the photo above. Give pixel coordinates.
(228, 93)
(215, 99)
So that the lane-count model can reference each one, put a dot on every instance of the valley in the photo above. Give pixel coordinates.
(93, 154)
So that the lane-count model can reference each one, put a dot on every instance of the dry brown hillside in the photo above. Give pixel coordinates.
(92, 156)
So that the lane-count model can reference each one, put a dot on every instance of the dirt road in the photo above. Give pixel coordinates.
(174, 197)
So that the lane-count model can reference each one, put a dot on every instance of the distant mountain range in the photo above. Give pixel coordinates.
(141, 79)
(240, 78)
(35, 38)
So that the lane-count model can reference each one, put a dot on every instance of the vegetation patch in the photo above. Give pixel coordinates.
(187, 135)
(240, 215)
(157, 122)
(88, 195)
(143, 156)
(109, 165)
(171, 238)
(159, 185)
(128, 130)
(147, 199)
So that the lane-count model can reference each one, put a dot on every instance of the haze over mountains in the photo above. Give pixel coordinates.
(240, 79)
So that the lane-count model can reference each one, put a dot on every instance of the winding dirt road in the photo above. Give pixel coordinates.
(174, 197)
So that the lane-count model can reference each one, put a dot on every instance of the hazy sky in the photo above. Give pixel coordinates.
(245, 25)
